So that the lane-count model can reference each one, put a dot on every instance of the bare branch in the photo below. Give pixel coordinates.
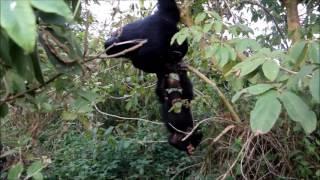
(126, 118)
(235, 116)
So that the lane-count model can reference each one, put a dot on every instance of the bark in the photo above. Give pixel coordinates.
(293, 19)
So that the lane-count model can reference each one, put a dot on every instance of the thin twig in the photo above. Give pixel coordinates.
(234, 115)
(22, 94)
(126, 118)
(139, 43)
(238, 157)
(183, 169)
(194, 128)
(228, 128)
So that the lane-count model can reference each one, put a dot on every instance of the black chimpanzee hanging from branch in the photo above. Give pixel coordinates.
(158, 56)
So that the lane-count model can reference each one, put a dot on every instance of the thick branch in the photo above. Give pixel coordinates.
(225, 101)
(293, 19)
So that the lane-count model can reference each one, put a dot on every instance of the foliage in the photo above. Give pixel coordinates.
(52, 75)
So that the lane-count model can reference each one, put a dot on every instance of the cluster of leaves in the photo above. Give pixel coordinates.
(99, 154)
(30, 32)
(33, 171)
(277, 78)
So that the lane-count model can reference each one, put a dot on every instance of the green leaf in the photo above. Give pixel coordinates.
(22, 63)
(296, 52)
(298, 111)
(36, 66)
(17, 18)
(211, 51)
(265, 113)
(294, 81)
(207, 27)
(15, 171)
(271, 69)
(222, 55)
(314, 86)
(34, 168)
(314, 52)
(5, 48)
(56, 6)
(248, 66)
(253, 90)
(218, 27)
(3, 110)
(200, 17)
(69, 116)
(37, 176)
(14, 82)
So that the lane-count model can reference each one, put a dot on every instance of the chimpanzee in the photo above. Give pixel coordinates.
(158, 29)
(158, 56)
(175, 93)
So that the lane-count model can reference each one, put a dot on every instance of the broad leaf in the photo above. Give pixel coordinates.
(253, 90)
(200, 17)
(294, 81)
(222, 55)
(315, 86)
(271, 69)
(297, 52)
(265, 113)
(314, 52)
(248, 66)
(69, 116)
(17, 18)
(14, 82)
(56, 6)
(36, 66)
(3, 110)
(299, 111)
(34, 168)
(15, 171)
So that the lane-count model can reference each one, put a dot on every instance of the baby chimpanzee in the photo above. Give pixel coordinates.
(175, 93)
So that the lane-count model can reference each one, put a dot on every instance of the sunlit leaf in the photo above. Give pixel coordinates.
(265, 113)
(17, 18)
(270, 69)
(299, 111)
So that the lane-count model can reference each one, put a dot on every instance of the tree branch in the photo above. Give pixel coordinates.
(234, 115)
(22, 94)
(126, 118)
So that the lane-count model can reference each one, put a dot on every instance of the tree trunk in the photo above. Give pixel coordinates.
(293, 19)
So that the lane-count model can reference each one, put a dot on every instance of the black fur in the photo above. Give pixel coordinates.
(158, 29)
(182, 121)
